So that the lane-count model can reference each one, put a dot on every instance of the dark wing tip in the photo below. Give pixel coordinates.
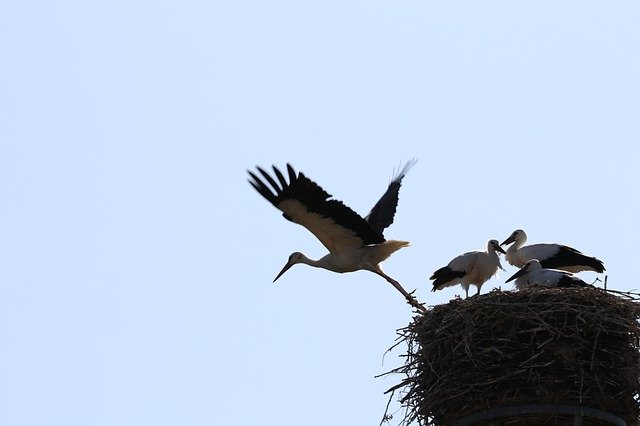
(436, 273)
(404, 170)
(570, 256)
(271, 181)
(280, 177)
(383, 213)
(262, 188)
(292, 173)
(445, 275)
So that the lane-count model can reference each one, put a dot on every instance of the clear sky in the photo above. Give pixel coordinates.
(136, 261)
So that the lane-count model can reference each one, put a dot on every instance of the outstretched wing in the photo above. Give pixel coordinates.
(304, 202)
(381, 215)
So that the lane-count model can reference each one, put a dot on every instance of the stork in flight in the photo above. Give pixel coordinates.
(474, 267)
(354, 242)
(532, 273)
(551, 256)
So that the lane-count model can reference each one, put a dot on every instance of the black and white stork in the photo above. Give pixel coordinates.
(532, 273)
(474, 267)
(551, 256)
(354, 243)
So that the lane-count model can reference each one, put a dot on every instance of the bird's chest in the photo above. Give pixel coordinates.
(482, 271)
(477, 274)
(516, 258)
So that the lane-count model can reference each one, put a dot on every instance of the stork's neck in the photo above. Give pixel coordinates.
(495, 257)
(311, 262)
(493, 254)
(519, 242)
(516, 245)
(329, 262)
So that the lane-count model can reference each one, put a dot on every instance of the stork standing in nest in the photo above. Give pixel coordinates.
(551, 256)
(474, 267)
(532, 273)
(354, 243)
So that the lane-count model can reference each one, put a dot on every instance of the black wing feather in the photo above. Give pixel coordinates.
(263, 189)
(280, 177)
(445, 275)
(569, 280)
(568, 256)
(269, 179)
(316, 200)
(292, 175)
(382, 214)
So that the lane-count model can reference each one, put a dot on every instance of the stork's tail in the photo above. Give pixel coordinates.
(389, 247)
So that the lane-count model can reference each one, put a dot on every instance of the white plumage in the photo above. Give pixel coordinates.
(472, 268)
(532, 273)
(551, 256)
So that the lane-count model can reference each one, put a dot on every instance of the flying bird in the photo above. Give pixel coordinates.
(532, 273)
(551, 256)
(354, 243)
(474, 267)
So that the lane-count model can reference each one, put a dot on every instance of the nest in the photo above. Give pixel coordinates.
(537, 347)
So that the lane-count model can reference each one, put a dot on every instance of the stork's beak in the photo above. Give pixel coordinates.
(509, 240)
(500, 249)
(285, 269)
(520, 273)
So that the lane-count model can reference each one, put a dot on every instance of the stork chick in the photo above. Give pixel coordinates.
(532, 273)
(472, 268)
(552, 256)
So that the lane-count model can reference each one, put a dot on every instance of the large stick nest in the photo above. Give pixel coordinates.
(537, 346)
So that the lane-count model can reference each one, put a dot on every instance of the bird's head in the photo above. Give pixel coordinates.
(531, 265)
(295, 257)
(517, 235)
(495, 245)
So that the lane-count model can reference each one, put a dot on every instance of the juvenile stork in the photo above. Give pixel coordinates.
(354, 242)
(532, 273)
(474, 267)
(551, 256)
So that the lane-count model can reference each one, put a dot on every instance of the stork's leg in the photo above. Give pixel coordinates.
(410, 298)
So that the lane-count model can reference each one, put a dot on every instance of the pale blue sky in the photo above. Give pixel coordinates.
(136, 261)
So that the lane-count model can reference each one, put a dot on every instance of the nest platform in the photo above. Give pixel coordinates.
(541, 356)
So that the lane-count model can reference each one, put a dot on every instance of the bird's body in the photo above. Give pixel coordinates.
(550, 256)
(472, 268)
(362, 258)
(532, 273)
(354, 243)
